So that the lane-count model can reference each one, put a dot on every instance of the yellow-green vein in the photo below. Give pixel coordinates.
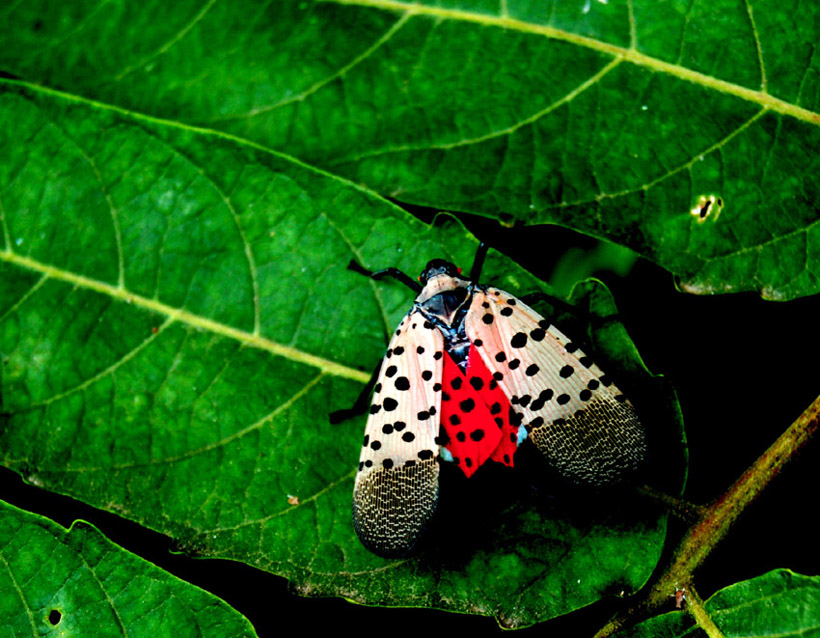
(187, 318)
(629, 55)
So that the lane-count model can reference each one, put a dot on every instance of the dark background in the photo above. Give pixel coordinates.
(743, 368)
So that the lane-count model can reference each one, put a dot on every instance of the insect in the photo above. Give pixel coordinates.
(470, 373)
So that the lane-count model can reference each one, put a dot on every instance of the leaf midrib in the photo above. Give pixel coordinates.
(185, 317)
(632, 55)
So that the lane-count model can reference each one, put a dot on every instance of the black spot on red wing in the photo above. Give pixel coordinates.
(398, 426)
(477, 435)
(538, 334)
(398, 350)
(500, 357)
(408, 437)
(420, 349)
(456, 460)
(454, 419)
(477, 383)
(468, 462)
(425, 454)
(391, 370)
(387, 463)
(402, 383)
(585, 361)
(506, 311)
(499, 422)
(566, 371)
(585, 395)
(423, 415)
(390, 404)
(515, 417)
(376, 445)
(495, 408)
(426, 375)
(514, 364)
(438, 355)
(493, 384)
(467, 405)
(374, 409)
(513, 438)
(456, 383)
(445, 396)
(562, 399)
(506, 458)
(387, 428)
(461, 437)
(488, 318)
(532, 370)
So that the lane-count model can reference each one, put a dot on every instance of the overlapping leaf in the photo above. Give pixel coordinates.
(779, 603)
(176, 321)
(77, 583)
(616, 118)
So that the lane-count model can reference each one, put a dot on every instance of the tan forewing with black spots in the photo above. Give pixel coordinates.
(581, 422)
(396, 488)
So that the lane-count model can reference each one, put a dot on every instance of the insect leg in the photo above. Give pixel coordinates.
(478, 262)
(395, 273)
(362, 401)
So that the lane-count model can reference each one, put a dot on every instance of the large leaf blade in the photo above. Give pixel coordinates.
(78, 583)
(191, 394)
(612, 118)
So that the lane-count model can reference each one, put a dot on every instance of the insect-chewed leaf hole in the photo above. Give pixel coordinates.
(54, 617)
(706, 207)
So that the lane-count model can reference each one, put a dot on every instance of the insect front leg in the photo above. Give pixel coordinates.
(478, 262)
(394, 273)
(362, 401)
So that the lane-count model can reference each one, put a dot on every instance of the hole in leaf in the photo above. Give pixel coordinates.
(707, 206)
(54, 617)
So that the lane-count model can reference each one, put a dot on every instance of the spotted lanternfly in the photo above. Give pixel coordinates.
(470, 373)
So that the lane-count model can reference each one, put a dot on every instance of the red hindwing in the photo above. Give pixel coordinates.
(475, 414)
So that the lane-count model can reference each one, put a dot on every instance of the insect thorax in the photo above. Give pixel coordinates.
(446, 310)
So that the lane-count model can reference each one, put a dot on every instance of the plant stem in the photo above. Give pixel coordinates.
(717, 518)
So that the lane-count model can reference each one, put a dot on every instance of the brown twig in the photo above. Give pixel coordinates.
(716, 520)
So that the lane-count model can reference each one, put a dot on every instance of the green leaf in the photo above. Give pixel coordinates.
(779, 603)
(176, 322)
(75, 582)
(615, 118)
